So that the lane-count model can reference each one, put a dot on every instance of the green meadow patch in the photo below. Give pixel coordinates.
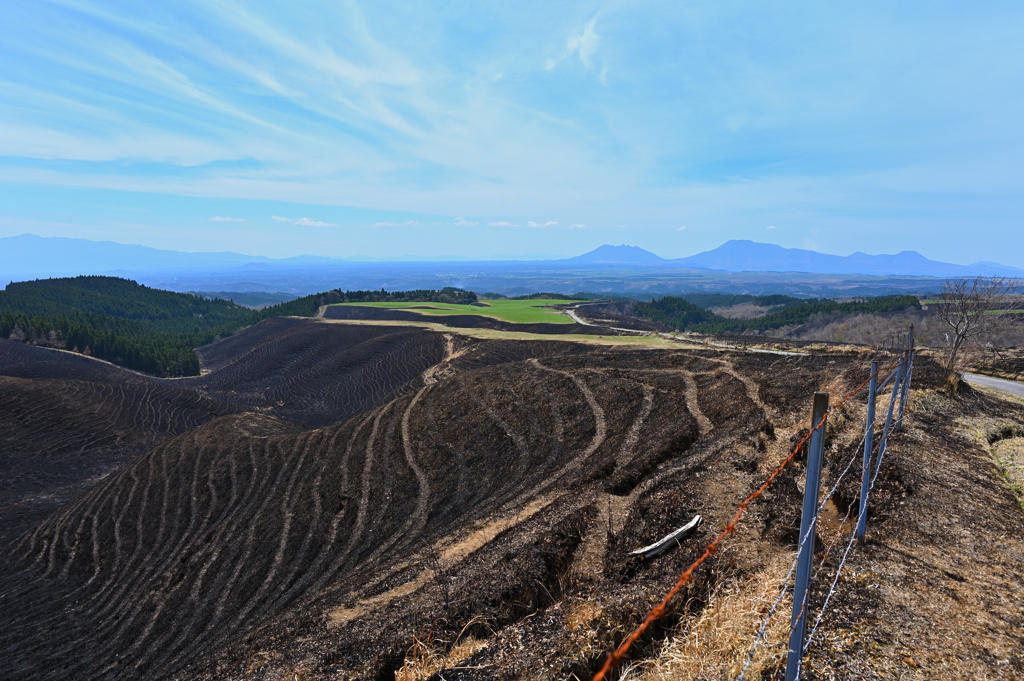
(515, 311)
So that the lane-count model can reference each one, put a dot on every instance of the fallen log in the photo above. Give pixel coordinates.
(666, 541)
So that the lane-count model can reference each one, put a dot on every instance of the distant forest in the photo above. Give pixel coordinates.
(692, 314)
(148, 329)
(157, 331)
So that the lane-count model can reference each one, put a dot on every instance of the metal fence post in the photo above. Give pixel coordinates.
(805, 559)
(906, 377)
(888, 418)
(869, 438)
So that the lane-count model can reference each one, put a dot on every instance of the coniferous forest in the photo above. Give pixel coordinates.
(690, 314)
(152, 330)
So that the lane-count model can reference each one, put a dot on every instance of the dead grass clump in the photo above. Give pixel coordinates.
(1004, 441)
(428, 655)
(716, 643)
(1009, 455)
(579, 614)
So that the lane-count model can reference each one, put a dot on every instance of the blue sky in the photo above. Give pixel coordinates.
(503, 128)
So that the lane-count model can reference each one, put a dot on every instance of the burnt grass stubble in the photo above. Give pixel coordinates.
(292, 521)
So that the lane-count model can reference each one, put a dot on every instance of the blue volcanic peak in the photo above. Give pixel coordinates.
(750, 256)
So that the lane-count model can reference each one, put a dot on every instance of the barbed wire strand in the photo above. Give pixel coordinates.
(828, 551)
(849, 547)
(886, 432)
(831, 591)
(792, 567)
(615, 657)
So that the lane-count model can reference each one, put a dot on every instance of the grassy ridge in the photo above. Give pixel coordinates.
(516, 311)
(307, 306)
(682, 314)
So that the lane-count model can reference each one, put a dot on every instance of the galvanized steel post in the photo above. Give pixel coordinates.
(808, 519)
(888, 419)
(869, 441)
(906, 377)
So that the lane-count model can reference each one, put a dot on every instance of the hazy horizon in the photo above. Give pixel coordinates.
(410, 257)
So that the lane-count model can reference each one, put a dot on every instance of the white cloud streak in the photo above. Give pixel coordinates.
(582, 42)
(303, 222)
(220, 219)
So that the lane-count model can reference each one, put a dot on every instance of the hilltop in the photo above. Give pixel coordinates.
(346, 498)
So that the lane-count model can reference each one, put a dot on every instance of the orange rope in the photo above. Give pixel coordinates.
(615, 657)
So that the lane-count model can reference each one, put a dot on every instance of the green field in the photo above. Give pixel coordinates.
(514, 311)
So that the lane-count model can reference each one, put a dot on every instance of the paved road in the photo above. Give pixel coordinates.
(579, 320)
(1012, 387)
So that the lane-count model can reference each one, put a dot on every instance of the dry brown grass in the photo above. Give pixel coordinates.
(1003, 441)
(1009, 454)
(581, 613)
(429, 655)
(715, 644)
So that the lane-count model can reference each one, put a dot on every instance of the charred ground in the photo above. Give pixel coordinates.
(351, 501)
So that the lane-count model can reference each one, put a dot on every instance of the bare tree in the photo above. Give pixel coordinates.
(969, 309)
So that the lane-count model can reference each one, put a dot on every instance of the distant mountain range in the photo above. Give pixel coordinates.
(750, 256)
(29, 256)
(617, 255)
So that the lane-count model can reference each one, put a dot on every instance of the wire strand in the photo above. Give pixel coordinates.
(792, 567)
(615, 657)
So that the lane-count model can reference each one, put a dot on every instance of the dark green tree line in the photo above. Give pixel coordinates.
(152, 330)
(682, 314)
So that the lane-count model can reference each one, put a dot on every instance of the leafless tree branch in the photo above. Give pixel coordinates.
(970, 308)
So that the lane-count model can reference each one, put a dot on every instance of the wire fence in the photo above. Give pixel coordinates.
(902, 369)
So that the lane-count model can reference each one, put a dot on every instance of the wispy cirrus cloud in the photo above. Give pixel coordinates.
(220, 219)
(391, 109)
(550, 223)
(583, 42)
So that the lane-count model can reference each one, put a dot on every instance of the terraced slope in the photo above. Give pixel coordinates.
(315, 373)
(67, 420)
(248, 547)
